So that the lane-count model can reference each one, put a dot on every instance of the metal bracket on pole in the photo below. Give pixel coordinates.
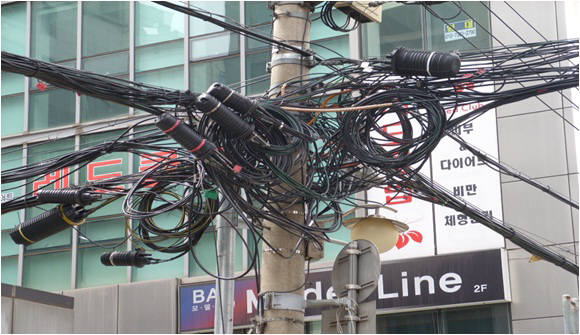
(289, 58)
(289, 301)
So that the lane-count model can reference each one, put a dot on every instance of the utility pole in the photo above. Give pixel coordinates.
(226, 249)
(282, 279)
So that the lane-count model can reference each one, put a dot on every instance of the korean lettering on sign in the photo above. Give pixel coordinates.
(61, 178)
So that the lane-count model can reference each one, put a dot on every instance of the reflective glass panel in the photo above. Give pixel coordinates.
(91, 272)
(10, 270)
(11, 158)
(401, 27)
(48, 272)
(105, 26)
(159, 56)
(54, 33)
(223, 70)
(257, 79)
(14, 28)
(155, 23)
(51, 108)
(215, 45)
(37, 153)
(230, 9)
(257, 12)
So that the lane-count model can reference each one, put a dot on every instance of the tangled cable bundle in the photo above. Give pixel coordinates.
(220, 145)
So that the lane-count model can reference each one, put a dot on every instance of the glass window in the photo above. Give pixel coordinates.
(12, 83)
(401, 27)
(54, 33)
(95, 109)
(91, 272)
(159, 56)
(11, 158)
(37, 153)
(257, 79)
(257, 12)
(116, 64)
(52, 108)
(492, 319)
(102, 230)
(9, 270)
(330, 49)
(105, 27)
(474, 27)
(155, 23)
(14, 28)
(223, 70)
(111, 165)
(48, 272)
(12, 114)
(252, 44)
(172, 269)
(205, 251)
(313, 327)
(318, 30)
(9, 248)
(482, 319)
(408, 323)
(215, 45)
(169, 78)
(230, 9)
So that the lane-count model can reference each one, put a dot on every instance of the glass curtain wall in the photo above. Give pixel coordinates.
(13, 40)
(97, 37)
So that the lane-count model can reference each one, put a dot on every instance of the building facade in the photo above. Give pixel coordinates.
(145, 42)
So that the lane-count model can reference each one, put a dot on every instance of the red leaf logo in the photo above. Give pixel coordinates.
(41, 86)
(404, 238)
(415, 236)
(402, 241)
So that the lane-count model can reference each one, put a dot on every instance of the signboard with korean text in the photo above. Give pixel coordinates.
(469, 178)
(455, 279)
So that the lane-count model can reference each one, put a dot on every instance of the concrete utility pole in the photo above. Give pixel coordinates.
(278, 274)
(226, 252)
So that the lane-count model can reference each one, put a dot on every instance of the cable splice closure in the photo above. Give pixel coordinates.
(425, 63)
(79, 196)
(48, 223)
(137, 258)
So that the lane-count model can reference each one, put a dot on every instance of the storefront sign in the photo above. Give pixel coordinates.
(414, 283)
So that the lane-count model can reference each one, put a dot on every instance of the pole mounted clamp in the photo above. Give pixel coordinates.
(287, 301)
(310, 4)
(289, 58)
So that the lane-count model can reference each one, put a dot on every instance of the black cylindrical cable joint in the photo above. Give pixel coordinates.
(48, 223)
(185, 136)
(225, 117)
(79, 196)
(136, 257)
(425, 63)
(239, 103)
